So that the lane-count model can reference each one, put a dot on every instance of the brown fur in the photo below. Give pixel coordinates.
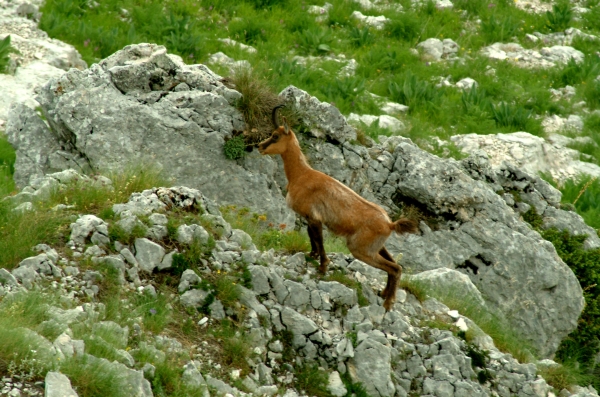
(322, 200)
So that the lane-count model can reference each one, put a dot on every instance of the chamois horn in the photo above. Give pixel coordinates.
(274, 116)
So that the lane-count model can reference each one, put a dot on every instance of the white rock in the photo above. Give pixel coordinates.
(148, 254)
(58, 385)
(335, 385)
(466, 83)
(375, 22)
(393, 107)
(530, 153)
(234, 43)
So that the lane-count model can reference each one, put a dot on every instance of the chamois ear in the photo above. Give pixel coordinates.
(286, 127)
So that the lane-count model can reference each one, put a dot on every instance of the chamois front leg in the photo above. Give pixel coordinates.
(314, 248)
(317, 233)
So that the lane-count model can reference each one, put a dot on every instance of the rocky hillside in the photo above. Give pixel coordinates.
(204, 289)
(298, 334)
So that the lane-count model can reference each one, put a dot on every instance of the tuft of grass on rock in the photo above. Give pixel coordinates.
(312, 380)
(342, 278)
(235, 347)
(489, 320)
(564, 376)
(234, 148)
(257, 103)
(5, 50)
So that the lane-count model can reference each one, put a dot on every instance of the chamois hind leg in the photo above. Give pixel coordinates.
(387, 256)
(317, 232)
(314, 249)
(393, 270)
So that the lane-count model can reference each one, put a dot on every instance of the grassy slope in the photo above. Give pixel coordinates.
(511, 99)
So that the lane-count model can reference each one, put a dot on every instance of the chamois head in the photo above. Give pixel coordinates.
(278, 142)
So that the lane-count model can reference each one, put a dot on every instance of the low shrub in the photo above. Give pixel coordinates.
(560, 17)
(499, 29)
(414, 92)
(315, 41)
(235, 148)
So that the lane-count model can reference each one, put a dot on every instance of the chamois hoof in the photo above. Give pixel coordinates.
(388, 304)
(323, 267)
(313, 255)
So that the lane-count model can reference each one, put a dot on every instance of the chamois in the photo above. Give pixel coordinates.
(322, 200)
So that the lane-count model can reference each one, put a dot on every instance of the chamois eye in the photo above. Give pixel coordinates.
(275, 138)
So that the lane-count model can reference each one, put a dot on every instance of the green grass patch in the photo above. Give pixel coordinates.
(581, 345)
(20, 231)
(342, 278)
(564, 376)
(584, 195)
(235, 347)
(93, 377)
(7, 167)
(266, 235)
(5, 50)
(22, 351)
(312, 380)
(490, 321)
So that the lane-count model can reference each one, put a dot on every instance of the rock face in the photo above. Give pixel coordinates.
(58, 385)
(544, 58)
(144, 105)
(39, 57)
(322, 119)
(530, 153)
(477, 231)
(487, 241)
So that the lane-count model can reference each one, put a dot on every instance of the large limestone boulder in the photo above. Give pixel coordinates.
(517, 271)
(38, 57)
(472, 227)
(142, 105)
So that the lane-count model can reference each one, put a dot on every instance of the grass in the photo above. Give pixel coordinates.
(342, 278)
(583, 195)
(268, 236)
(581, 346)
(5, 50)
(490, 321)
(7, 167)
(564, 376)
(257, 102)
(93, 377)
(386, 66)
(21, 351)
(20, 231)
(311, 380)
(235, 348)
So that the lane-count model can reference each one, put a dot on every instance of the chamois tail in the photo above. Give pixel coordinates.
(404, 225)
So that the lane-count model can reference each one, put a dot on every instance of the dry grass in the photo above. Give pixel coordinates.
(257, 103)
